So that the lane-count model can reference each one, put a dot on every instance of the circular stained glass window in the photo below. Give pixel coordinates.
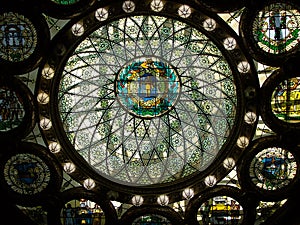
(277, 28)
(26, 174)
(137, 118)
(285, 100)
(273, 168)
(18, 37)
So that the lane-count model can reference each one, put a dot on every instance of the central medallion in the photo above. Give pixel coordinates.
(147, 88)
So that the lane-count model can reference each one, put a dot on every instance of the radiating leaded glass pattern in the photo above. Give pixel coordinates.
(11, 109)
(277, 28)
(65, 2)
(139, 131)
(26, 174)
(286, 100)
(18, 37)
(273, 168)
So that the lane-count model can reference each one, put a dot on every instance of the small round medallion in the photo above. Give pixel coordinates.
(147, 88)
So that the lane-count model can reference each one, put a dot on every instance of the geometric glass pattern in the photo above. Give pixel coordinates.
(18, 37)
(273, 168)
(117, 131)
(26, 174)
(285, 100)
(277, 28)
(11, 109)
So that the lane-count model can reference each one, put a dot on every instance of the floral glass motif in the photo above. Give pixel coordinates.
(11, 109)
(18, 37)
(178, 136)
(148, 88)
(220, 210)
(286, 100)
(65, 2)
(151, 219)
(26, 174)
(277, 28)
(273, 168)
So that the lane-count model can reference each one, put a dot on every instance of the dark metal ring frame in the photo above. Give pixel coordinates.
(244, 168)
(41, 152)
(247, 19)
(65, 42)
(246, 200)
(268, 117)
(57, 202)
(43, 39)
(29, 106)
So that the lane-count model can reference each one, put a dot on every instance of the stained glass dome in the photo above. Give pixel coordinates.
(147, 100)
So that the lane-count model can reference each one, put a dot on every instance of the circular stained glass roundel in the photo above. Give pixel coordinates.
(147, 87)
(273, 168)
(147, 100)
(276, 28)
(26, 174)
(18, 37)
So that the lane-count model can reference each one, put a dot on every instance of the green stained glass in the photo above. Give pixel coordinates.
(138, 119)
(65, 2)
